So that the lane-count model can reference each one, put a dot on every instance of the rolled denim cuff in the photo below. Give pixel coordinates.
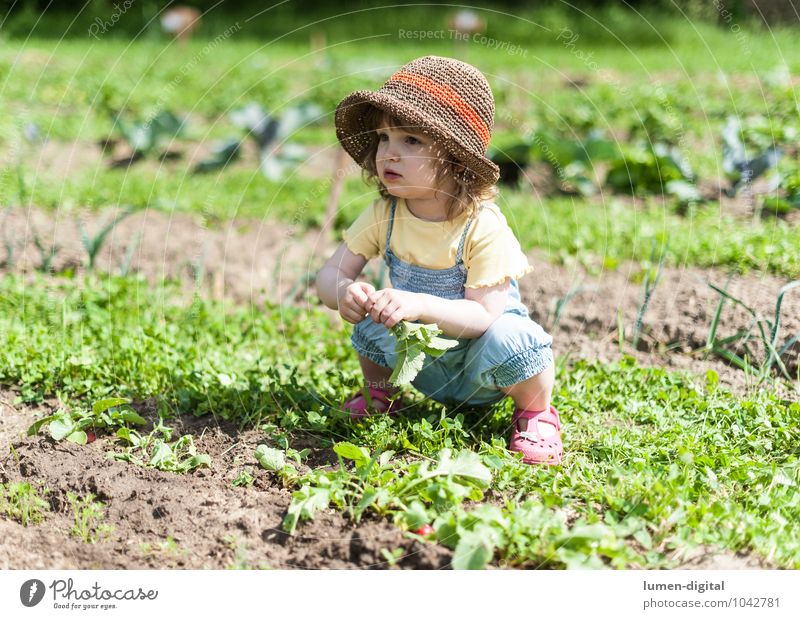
(367, 349)
(523, 365)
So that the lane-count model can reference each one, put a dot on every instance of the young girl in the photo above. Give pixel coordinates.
(452, 258)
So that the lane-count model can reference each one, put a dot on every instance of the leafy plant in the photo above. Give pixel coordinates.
(408, 492)
(147, 137)
(269, 132)
(89, 514)
(788, 186)
(649, 168)
(155, 450)
(414, 341)
(106, 414)
(22, 502)
(274, 460)
(740, 169)
(649, 286)
(243, 479)
(47, 254)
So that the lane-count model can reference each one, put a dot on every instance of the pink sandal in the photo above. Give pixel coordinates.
(381, 403)
(535, 448)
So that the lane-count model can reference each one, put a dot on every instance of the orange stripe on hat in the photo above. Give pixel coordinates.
(448, 96)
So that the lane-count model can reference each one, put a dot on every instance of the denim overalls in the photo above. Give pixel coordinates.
(511, 350)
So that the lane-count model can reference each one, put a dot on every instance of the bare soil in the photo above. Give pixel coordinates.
(193, 521)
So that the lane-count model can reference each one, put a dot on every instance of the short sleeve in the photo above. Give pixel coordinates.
(493, 252)
(364, 234)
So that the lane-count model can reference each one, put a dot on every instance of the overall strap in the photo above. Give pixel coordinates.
(464, 237)
(391, 221)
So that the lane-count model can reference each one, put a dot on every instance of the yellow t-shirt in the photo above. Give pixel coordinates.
(491, 251)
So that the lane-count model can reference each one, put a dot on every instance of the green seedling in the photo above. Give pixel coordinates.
(22, 502)
(410, 492)
(47, 254)
(393, 556)
(767, 334)
(106, 414)
(561, 302)
(274, 460)
(89, 514)
(167, 549)
(125, 265)
(94, 244)
(414, 341)
(649, 285)
(243, 479)
(649, 168)
(155, 450)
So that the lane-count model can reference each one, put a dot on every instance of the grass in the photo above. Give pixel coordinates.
(657, 462)
(23, 502)
(88, 514)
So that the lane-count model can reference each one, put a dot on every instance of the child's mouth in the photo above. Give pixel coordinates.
(391, 176)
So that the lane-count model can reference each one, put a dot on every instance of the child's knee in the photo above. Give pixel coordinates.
(513, 349)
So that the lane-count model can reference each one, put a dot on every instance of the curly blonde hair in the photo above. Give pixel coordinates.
(470, 190)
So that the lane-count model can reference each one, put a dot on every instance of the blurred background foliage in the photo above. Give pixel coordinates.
(603, 21)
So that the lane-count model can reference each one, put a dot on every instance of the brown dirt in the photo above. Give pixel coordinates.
(677, 321)
(191, 521)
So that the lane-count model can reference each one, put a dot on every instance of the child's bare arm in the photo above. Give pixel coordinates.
(468, 317)
(336, 287)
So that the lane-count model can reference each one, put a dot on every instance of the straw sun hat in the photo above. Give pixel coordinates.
(449, 99)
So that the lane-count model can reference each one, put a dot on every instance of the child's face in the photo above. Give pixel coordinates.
(407, 162)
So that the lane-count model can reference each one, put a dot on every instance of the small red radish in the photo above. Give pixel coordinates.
(425, 530)
(90, 436)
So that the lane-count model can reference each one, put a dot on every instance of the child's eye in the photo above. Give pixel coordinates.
(412, 140)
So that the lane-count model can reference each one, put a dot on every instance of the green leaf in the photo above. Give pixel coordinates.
(441, 343)
(408, 366)
(196, 461)
(163, 455)
(466, 464)
(269, 458)
(367, 499)
(351, 452)
(132, 417)
(305, 502)
(102, 406)
(61, 428)
(78, 436)
(34, 428)
(472, 552)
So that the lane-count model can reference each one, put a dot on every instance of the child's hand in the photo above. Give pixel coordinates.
(352, 301)
(390, 306)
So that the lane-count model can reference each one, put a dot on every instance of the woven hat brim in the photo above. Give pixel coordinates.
(353, 136)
